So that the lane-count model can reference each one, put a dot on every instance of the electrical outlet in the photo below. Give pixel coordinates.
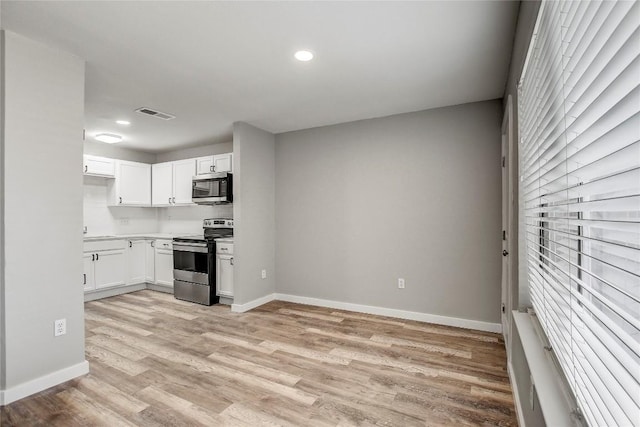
(124, 221)
(400, 283)
(264, 274)
(60, 327)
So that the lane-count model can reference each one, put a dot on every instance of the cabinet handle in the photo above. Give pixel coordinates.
(86, 168)
(85, 278)
(174, 200)
(169, 200)
(231, 260)
(130, 244)
(97, 257)
(153, 243)
(120, 199)
(93, 257)
(211, 168)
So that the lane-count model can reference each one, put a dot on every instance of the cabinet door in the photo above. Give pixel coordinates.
(150, 264)
(164, 264)
(183, 172)
(89, 283)
(133, 181)
(99, 166)
(204, 165)
(110, 268)
(136, 257)
(162, 188)
(224, 275)
(223, 162)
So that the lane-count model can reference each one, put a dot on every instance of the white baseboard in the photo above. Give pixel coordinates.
(516, 395)
(39, 384)
(241, 308)
(105, 293)
(391, 312)
(381, 311)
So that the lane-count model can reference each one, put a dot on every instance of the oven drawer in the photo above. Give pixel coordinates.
(193, 292)
(191, 276)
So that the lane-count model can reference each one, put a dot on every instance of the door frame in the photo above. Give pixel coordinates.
(509, 285)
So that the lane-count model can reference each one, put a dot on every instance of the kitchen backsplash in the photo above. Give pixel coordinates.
(101, 219)
(188, 219)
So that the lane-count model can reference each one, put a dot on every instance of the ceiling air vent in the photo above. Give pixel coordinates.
(155, 113)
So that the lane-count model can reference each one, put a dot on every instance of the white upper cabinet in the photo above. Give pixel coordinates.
(132, 186)
(172, 183)
(99, 166)
(223, 162)
(204, 165)
(183, 172)
(162, 187)
(217, 163)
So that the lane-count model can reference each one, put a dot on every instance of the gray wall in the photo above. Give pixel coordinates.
(42, 182)
(253, 212)
(413, 196)
(114, 152)
(526, 22)
(189, 153)
(2, 305)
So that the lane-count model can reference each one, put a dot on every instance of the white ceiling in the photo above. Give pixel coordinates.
(214, 63)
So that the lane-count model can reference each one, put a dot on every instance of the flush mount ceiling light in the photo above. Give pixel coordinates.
(303, 55)
(123, 122)
(109, 138)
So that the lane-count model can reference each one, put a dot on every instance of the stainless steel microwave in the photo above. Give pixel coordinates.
(212, 188)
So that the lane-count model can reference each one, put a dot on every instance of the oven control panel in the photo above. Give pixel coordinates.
(217, 223)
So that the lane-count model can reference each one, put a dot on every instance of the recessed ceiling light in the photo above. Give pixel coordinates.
(109, 138)
(123, 122)
(303, 55)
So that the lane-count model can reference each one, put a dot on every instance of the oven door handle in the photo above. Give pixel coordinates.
(192, 247)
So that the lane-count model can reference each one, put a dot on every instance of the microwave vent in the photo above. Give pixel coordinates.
(155, 113)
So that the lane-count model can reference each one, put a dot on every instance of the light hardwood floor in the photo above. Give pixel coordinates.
(157, 361)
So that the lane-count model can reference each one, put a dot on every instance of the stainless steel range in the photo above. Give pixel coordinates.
(194, 262)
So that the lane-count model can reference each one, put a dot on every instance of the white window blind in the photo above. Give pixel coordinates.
(579, 115)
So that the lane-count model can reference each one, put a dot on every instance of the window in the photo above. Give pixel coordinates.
(579, 124)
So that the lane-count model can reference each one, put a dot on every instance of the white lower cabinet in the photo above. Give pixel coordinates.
(136, 261)
(89, 277)
(109, 268)
(150, 261)
(111, 264)
(224, 269)
(164, 263)
(105, 264)
(224, 273)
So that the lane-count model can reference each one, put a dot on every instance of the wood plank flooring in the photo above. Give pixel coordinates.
(157, 361)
